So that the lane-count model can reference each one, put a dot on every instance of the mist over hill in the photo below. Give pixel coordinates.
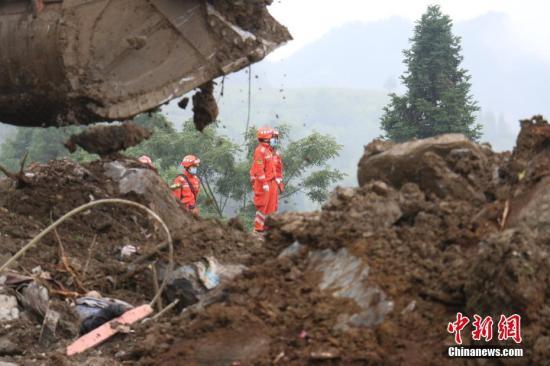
(339, 87)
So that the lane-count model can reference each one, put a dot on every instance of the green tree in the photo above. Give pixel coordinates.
(42, 145)
(438, 96)
(225, 165)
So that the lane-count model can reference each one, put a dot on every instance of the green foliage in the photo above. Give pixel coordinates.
(225, 165)
(437, 100)
(42, 144)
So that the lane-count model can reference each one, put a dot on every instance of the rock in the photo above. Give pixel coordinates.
(345, 276)
(4, 363)
(49, 328)
(442, 165)
(150, 189)
(9, 348)
(531, 208)
(292, 250)
(105, 140)
(8, 308)
(509, 274)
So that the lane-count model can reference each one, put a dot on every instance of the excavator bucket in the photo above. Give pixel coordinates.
(68, 62)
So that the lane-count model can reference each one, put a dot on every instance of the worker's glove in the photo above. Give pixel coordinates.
(266, 187)
(252, 179)
(278, 180)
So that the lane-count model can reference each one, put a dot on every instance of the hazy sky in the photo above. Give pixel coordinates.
(308, 20)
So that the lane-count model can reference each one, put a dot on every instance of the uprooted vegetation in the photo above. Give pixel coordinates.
(437, 226)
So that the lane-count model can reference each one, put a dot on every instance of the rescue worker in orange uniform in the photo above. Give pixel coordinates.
(278, 163)
(262, 177)
(186, 186)
(145, 160)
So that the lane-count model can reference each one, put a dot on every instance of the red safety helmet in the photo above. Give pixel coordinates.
(144, 159)
(189, 161)
(265, 133)
(275, 133)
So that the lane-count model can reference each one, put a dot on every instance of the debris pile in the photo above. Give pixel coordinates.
(105, 253)
(436, 227)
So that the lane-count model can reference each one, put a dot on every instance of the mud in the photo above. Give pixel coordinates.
(93, 240)
(114, 76)
(431, 250)
(205, 108)
(371, 279)
(106, 140)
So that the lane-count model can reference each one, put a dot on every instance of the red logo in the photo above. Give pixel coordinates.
(483, 328)
(508, 328)
(457, 326)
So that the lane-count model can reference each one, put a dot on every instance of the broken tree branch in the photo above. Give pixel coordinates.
(65, 260)
(156, 286)
(19, 178)
(87, 206)
(90, 251)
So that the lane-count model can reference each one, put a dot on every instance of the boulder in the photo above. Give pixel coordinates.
(446, 165)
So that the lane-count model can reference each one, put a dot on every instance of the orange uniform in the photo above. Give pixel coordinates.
(186, 190)
(279, 176)
(262, 176)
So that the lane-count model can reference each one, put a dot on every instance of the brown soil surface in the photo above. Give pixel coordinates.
(376, 276)
(205, 108)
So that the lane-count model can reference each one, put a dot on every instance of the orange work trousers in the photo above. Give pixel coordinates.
(266, 203)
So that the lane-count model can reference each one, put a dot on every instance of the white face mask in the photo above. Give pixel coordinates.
(273, 142)
(193, 170)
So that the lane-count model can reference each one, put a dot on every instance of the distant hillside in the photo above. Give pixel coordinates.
(509, 82)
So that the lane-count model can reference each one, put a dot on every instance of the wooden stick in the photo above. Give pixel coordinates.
(166, 309)
(505, 215)
(66, 264)
(19, 178)
(156, 286)
(89, 256)
(86, 207)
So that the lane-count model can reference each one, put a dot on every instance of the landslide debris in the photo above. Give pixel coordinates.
(93, 241)
(436, 227)
(205, 108)
(380, 271)
(106, 140)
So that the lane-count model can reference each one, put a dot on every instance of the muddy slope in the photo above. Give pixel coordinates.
(379, 273)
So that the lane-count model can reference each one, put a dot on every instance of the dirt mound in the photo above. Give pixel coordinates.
(373, 278)
(378, 274)
(92, 241)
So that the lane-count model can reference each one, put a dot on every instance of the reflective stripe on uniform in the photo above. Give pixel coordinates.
(258, 213)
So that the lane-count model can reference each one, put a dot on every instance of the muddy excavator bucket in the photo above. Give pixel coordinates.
(81, 61)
